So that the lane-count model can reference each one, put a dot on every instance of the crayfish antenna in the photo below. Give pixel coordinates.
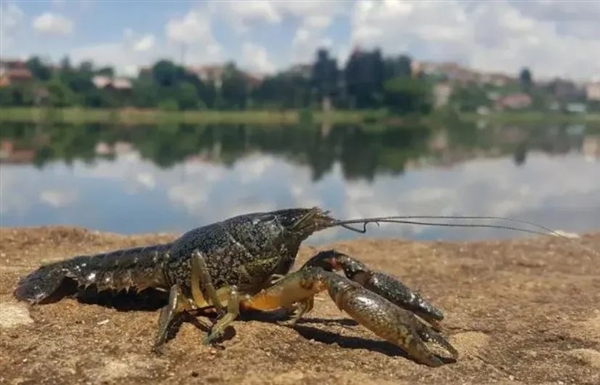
(418, 220)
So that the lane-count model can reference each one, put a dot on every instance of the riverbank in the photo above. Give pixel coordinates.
(519, 311)
(278, 118)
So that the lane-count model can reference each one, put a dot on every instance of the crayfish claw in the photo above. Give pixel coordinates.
(387, 320)
(385, 285)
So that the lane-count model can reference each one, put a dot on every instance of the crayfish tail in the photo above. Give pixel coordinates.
(45, 282)
(137, 268)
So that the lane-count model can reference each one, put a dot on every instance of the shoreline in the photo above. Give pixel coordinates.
(288, 117)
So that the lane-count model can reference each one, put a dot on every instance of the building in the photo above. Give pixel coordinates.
(303, 70)
(14, 72)
(515, 101)
(101, 82)
(209, 73)
(592, 91)
(441, 94)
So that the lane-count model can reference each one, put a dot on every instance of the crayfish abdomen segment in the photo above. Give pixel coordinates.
(137, 268)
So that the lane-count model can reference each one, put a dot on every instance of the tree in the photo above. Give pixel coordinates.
(526, 79)
(469, 98)
(324, 77)
(407, 95)
(166, 73)
(106, 71)
(234, 89)
(398, 67)
(186, 96)
(145, 93)
(39, 70)
(59, 95)
(364, 74)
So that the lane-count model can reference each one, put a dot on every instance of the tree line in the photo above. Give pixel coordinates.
(367, 81)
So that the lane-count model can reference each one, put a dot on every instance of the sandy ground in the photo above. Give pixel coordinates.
(523, 311)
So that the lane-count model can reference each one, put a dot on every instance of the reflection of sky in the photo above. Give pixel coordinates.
(130, 195)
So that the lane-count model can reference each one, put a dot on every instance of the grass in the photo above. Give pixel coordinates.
(138, 117)
(289, 117)
(533, 117)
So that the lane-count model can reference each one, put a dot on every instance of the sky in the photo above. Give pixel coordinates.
(552, 38)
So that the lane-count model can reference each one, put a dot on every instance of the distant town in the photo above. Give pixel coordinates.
(369, 80)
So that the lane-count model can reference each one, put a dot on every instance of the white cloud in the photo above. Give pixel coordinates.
(11, 17)
(242, 14)
(120, 55)
(58, 198)
(256, 58)
(553, 38)
(145, 43)
(312, 33)
(496, 36)
(194, 27)
(53, 23)
(194, 30)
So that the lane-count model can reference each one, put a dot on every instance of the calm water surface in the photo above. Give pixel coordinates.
(174, 178)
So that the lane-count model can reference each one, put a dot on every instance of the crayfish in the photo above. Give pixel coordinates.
(244, 263)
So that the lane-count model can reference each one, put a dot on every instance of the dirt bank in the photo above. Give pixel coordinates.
(523, 311)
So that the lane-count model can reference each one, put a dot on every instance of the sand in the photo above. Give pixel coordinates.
(522, 311)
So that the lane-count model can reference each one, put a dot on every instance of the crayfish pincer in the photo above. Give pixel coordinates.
(243, 263)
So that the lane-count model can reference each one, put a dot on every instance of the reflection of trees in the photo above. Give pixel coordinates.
(471, 142)
(362, 152)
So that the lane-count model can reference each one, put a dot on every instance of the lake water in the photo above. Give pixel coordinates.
(172, 178)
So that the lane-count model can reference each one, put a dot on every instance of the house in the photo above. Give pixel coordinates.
(441, 94)
(566, 90)
(121, 84)
(514, 101)
(209, 73)
(9, 153)
(592, 91)
(14, 72)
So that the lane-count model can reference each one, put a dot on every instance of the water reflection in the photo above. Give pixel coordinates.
(175, 177)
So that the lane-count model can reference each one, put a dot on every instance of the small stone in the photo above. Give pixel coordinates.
(14, 314)
(511, 377)
(195, 374)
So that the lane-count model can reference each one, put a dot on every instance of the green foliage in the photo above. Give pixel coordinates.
(469, 98)
(168, 105)
(526, 79)
(16, 96)
(59, 95)
(39, 70)
(169, 86)
(405, 95)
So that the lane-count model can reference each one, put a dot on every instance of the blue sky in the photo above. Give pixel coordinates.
(554, 38)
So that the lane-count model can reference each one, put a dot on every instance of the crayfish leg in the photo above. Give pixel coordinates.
(233, 311)
(178, 303)
(200, 274)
